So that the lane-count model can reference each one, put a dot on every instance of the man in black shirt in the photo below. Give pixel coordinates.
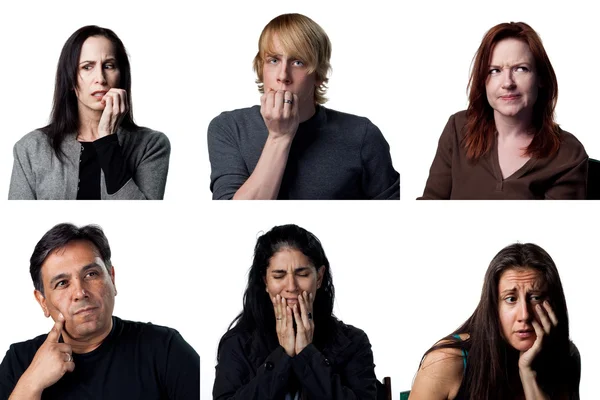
(89, 353)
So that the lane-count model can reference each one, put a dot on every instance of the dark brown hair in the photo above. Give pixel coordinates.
(491, 361)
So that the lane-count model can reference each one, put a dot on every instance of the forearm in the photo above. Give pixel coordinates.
(265, 180)
(26, 389)
(531, 388)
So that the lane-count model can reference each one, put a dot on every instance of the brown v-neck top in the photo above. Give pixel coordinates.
(452, 176)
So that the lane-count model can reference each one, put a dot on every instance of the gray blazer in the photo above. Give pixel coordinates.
(38, 174)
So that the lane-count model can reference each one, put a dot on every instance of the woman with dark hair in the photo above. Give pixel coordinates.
(286, 343)
(506, 145)
(515, 345)
(91, 149)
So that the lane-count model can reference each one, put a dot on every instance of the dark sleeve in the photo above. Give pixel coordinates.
(234, 376)
(380, 180)
(355, 380)
(112, 162)
(228, 169)
(574, 372)
(22, 185)
(572, 179)
(10, 373)
(182, 374)
(439, 183)
(147, 180)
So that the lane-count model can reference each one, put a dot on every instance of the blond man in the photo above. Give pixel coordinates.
(291, 146)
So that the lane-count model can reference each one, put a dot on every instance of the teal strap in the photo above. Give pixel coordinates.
(463, 352)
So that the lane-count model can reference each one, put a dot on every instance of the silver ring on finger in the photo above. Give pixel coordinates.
(288, 101)
(69, 358)
(279, 319)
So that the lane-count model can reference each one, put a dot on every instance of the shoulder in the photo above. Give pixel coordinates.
(457, 121)
(571, 150)
(353, 333)
(144, 331)
(33, 141)
(235, 340)
(440, 373)
(239, 116)
(348, 123)
(22, 353)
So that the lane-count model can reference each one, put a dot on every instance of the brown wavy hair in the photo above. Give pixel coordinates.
(480, 129)
(300, 37)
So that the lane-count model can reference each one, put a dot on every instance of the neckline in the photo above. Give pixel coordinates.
(498, 171)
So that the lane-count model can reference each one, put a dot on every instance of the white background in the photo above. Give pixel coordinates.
(404, 66)
(407, 274)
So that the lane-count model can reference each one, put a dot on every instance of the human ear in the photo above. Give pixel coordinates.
(39, 297)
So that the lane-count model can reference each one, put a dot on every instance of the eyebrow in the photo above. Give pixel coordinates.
(62, 276)
(110, 59)
(514, 289)
(283, 271)
(513, 65)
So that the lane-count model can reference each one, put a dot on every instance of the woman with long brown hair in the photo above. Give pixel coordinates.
(506, 145)
(515, 345)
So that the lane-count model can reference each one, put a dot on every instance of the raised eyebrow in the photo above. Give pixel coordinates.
(90, 266)
(507, 291)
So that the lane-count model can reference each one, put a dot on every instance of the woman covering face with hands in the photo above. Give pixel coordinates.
(286, 343)
(515, 345)
(91, 149)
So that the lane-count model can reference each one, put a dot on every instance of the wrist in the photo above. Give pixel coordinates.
(526, 372)
(28, 387)
(280, 139)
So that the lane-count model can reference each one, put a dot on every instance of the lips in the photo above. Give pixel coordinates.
(84, 310)
(510, 97)
(525, 333)
(99, 93)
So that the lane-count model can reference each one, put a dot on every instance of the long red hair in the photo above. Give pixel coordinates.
(480, 129)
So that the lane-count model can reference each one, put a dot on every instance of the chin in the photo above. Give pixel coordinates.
(523, 345)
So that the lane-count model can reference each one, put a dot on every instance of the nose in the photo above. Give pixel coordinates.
(79, 290)
(291, 284)
(508, 81)
(524, 312)
(100, 75)
(283, 75)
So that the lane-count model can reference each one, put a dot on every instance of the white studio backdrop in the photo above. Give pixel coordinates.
(404, 66)
(408, 275)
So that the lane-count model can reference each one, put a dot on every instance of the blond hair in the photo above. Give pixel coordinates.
(301, 38)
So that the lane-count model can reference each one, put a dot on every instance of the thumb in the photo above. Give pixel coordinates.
(57, 329)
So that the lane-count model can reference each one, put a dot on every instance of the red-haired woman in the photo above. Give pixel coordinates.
(506, 145)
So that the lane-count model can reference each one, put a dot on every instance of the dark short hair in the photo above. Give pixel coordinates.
(58, 237)
(64, 118)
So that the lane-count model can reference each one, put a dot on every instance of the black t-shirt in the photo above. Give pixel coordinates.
(136, 361)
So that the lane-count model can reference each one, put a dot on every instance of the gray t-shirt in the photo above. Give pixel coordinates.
(333, 156)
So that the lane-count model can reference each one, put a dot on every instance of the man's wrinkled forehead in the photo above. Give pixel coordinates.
(90, 255)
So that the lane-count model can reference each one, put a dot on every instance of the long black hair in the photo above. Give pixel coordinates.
(64, 119)
(491, 361)
(257, 317)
